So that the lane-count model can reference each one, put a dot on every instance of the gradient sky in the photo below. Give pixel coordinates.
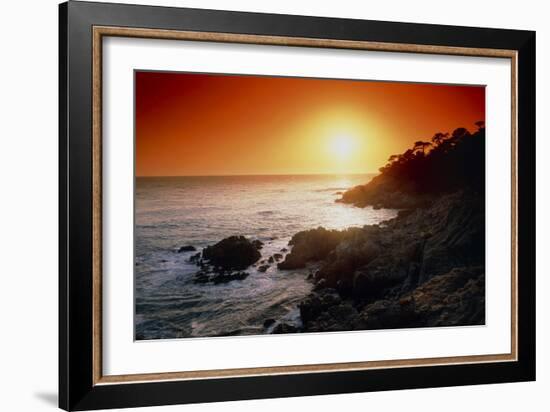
(200, 124)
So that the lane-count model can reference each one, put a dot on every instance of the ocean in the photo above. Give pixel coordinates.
(172, 212)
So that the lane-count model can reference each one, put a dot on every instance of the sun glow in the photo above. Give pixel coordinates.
(342, 146)
(262, 125)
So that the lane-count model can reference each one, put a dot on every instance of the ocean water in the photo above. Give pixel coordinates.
(200, 211)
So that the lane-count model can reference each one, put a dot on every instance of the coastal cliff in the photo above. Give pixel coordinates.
(447, 163)
(423, 268)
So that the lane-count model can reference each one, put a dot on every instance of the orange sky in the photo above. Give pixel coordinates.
(199, 124)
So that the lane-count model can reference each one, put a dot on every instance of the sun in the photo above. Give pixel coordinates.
(342, 145)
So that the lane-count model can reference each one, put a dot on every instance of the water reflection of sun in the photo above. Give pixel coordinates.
(343, 217)
(344, 183)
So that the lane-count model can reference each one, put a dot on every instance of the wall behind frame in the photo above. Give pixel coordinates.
(28, 211)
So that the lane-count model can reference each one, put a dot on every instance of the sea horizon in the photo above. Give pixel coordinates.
(263, 174)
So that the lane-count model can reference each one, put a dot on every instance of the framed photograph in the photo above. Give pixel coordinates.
(257, 205)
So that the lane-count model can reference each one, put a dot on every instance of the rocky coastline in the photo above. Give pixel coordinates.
(423, 268)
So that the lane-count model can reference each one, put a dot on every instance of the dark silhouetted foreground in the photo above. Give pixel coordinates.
(425, 267)
(448, 163)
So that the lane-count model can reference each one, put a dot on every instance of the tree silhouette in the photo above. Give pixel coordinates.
(459, 133)
(393, 158)
(438, 138)
(452, 161)
(420, 145)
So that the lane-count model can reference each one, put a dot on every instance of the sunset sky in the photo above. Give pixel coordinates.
(199, 124)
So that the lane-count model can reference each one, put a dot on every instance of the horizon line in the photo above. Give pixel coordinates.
(264, 174)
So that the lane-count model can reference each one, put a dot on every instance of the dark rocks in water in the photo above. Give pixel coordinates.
(277, 256)
(232, 253)
(258, 244)
(224, 278)
(201, 277)
(284, 250)
(354, 249)
(310, 245)
(320, 284)
(423, 268)
(216, 278)
(384, 192)
(337, 273)
(292, 262)
(271, 260)
(409, 250)
(263, 268)
(284, 328)
(195, 258)
(268, 323)
(317, 302)
(188, 248)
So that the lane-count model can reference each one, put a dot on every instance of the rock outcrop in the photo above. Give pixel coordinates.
(188, 248)
(455, 298)
(383, 192)
(232, 253)
(258, 244)
(423, 268)
(449, 163)
(216, 278)
(310, 245)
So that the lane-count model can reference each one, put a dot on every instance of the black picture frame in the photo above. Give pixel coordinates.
(77, 390)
